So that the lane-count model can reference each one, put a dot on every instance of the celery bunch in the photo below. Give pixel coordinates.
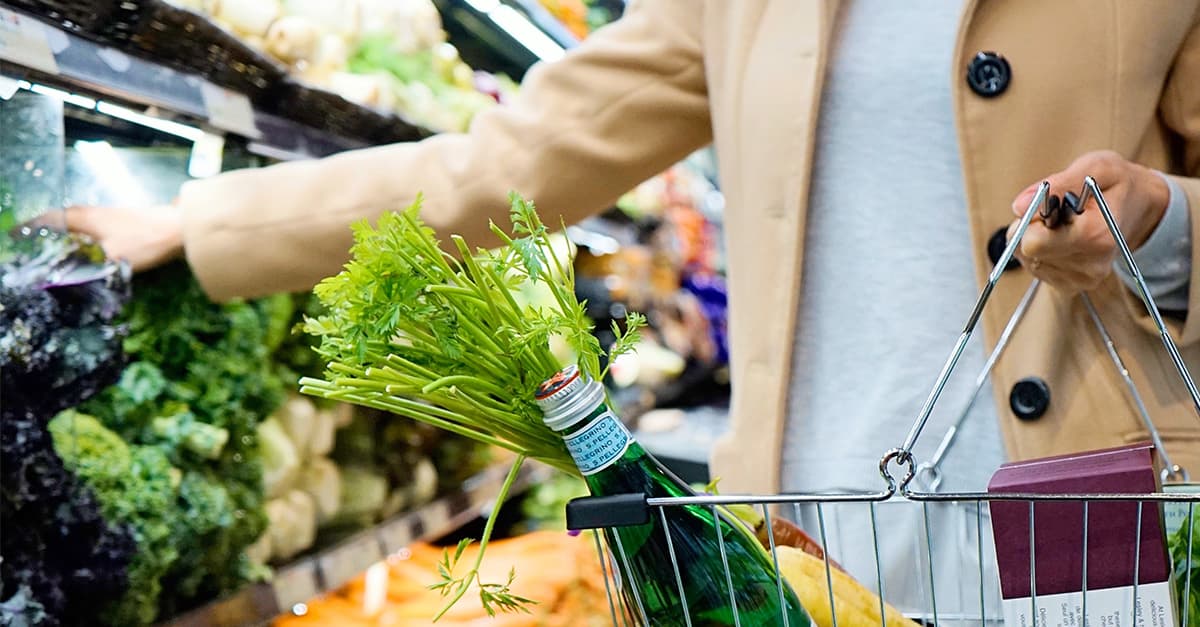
(447, 339)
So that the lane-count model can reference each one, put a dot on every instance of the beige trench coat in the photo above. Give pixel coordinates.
(674, 75)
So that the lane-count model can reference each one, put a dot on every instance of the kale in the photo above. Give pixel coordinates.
(199, 382)
(56, 543)
(134, 485)
(58, 342)
(58, 346)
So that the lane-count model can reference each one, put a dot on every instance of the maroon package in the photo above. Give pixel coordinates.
(1112, 526)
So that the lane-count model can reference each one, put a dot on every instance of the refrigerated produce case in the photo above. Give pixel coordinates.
(122, 107)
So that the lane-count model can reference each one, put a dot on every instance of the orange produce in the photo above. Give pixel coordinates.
(560, 572)
(572, 13)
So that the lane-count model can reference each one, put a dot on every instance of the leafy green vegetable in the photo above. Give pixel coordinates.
(493, 596)
(22, 609)
(294, 357)
(199, 383)
(444, 340)
(434, 88)
(133, 485)
(59, 345)
(414, 330)
(1184, 546)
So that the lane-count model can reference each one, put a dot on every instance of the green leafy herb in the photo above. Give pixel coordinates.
(491, 595)
(455, 341)
(444, 339)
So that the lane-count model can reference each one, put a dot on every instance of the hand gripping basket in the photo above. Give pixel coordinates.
(930, 554)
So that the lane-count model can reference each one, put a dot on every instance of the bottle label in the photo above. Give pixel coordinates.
(595, 447)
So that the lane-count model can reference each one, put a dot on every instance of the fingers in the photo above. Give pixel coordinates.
(1106, 166)
(1074, 258)
(76, 219)
(1086, 236)
(1077, 256)
(81, 219)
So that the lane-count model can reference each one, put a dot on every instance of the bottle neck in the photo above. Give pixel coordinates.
(598, 440)
(606, 453)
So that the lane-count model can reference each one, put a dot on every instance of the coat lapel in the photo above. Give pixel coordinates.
(778, 97)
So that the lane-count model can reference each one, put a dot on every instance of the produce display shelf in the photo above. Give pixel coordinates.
(330, 568)
(84, 67)
(485, 43)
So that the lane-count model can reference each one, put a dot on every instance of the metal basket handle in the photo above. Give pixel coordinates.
(902, 456)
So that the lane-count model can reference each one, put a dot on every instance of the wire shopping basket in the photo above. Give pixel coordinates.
(921, 554)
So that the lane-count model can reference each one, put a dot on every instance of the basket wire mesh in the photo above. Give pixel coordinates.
(937, 589)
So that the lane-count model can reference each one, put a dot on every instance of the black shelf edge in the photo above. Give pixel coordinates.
(90, 68)
(483, 44)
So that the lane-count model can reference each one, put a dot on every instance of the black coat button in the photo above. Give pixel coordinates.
(989, 74)
(995, 248)
(1029, 399)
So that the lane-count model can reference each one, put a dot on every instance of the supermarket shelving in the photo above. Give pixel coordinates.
(93, 70)
(94, 76)
(90, 75)
(488, 37)
(328, 569)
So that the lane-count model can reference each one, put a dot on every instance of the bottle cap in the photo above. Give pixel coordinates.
(568, 397)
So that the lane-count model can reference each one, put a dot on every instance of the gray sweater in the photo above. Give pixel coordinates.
(888, 282)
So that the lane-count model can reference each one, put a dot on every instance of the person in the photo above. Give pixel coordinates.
(868, 152)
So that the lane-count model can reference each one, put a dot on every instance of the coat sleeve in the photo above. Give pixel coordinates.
(1180, 110)
(621, 107)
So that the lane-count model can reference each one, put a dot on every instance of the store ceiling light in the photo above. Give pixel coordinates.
(102, 159)
(598, 243)
(58, 94)
(525, 32)
(189, 133)
(67, 97)
(484, 6)
(520, 28)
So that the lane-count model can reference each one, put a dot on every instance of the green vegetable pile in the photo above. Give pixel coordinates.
(199, 382)
(433, 87)
(444, 339)
(136, 485)
(59, 345)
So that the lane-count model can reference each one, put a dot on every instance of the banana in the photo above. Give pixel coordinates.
(855, 605)
(802, 564)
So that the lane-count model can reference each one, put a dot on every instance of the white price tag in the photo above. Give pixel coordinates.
(8, 87)
(24, 41)
(347, 561)
(229, 110)
(294, 584)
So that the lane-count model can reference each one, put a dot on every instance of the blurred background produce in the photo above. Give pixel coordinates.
(194, 473)
(390, 55)
(562, 572)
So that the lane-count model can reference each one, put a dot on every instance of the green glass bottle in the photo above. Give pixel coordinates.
(612, 462)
